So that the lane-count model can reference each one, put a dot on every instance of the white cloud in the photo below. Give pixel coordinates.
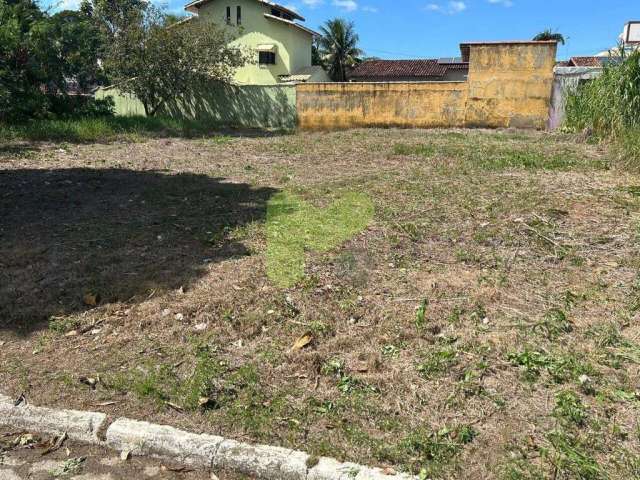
(504, 3)
(66, 5)
(451, 8)
(347, 5)
(313, 3)
(370, 9)
(457, 7)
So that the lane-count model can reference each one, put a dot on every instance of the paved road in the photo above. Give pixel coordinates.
(23, 456)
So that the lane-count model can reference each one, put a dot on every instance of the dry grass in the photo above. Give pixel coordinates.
(485, 322)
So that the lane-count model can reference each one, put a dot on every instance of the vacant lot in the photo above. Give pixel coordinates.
(484, 323)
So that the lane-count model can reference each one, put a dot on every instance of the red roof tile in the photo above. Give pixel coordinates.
(586, 61)
(399, 69)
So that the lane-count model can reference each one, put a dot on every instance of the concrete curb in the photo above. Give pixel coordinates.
(81, 426)
(197, 450)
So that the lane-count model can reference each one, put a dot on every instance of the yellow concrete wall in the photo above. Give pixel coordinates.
(509, 85)
(344, 105)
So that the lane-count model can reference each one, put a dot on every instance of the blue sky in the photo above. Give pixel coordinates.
(434, 28)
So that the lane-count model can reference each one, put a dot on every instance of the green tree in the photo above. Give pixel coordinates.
(549, 34)
(115, 16)
(77, 42)
(27, 60)
(338, 48)
(159, 64)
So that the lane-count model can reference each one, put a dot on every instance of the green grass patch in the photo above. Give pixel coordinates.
(428, 453)
(500, 153)
(294, 226)
(437, 361)
(560, 368)
(99, 129)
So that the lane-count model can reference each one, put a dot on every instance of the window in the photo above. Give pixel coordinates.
(228, 15)
(238, 15)
(266, 58)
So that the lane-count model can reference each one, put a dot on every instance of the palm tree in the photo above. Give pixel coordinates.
(549, 34)
(338, 48)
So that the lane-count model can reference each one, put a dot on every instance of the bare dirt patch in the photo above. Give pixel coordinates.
(485, 321)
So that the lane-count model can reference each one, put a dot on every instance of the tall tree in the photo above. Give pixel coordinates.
(114, 16)
(338, 48)
(27, 61)
(549, 34)
(159, 64)
(77, 42)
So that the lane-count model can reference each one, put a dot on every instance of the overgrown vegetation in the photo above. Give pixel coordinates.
(475, 314)
(607, 107)
(103, 129)
(44, 58)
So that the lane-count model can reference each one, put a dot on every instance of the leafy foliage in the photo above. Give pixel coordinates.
(38, 53)
(549, 35)
(338, 48)
(25, 60)
(158, 63)
(608, 106)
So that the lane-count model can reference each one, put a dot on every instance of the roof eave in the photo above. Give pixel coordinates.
(292, 23)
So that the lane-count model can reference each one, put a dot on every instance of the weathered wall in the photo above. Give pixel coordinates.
(249, 106)
(125, 104)
(565, 81)
(510, 84)
(343, 105)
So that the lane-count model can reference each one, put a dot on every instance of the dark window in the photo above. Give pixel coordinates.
(228, 15)
(238, 15)
(266, 58)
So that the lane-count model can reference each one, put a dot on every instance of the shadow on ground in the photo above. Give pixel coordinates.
(119, 233)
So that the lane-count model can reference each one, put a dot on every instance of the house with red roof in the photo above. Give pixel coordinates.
(427, 70)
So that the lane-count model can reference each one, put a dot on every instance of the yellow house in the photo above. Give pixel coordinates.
(281, 46)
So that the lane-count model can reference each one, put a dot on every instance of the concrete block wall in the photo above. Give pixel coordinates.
(509, 85)
(344, 105)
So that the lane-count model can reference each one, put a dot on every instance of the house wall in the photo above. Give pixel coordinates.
(344, 105)
(293, 44)
(509, 85)
(249, 106)
(565, 81)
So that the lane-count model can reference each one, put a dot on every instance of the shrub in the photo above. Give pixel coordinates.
(608, 106)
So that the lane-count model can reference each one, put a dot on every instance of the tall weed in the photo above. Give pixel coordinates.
(608, 107)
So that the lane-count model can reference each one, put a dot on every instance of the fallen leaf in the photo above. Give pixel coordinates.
(91, 382)
(105, 404)
(362, 367)
(25, 440)
(302, 341)
(91, 299)
(124, 455)
(56, 443)
(177, 408)
(71, 333)
(176, 469)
